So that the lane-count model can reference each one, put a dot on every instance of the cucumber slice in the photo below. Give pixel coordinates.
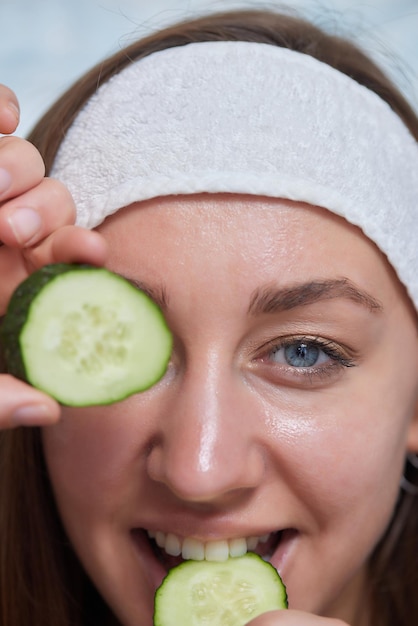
(212, 593)
(84, 335)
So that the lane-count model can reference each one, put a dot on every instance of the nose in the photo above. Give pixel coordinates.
(207, 450)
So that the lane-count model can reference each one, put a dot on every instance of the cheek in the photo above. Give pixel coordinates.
(91, 456)
(354, 437)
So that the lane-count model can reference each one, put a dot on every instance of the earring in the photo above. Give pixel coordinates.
(409, 481)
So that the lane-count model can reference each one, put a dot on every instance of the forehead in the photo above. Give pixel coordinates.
(264, 226)
(232, 236)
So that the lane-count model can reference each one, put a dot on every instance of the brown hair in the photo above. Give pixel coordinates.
(41, 580)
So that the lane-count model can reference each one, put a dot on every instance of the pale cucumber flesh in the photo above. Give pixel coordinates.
(227, 593)
(91, 337)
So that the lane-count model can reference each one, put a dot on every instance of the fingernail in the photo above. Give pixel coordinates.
(5, 180)
(25, 224)
(33, 415)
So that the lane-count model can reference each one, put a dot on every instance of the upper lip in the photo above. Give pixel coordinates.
(207, 527)
(211, 538)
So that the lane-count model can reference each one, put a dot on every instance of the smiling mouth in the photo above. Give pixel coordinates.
(171, 550)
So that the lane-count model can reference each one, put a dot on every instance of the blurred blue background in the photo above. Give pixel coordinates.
(46, 44)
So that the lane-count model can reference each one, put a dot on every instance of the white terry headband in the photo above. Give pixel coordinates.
(247, 118)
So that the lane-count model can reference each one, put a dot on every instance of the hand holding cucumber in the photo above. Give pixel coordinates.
(36, 228)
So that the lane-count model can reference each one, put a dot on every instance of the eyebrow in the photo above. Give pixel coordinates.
(269, 299)
(158, 294)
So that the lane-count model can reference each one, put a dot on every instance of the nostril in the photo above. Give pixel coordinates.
(188, 484)
(204, 461)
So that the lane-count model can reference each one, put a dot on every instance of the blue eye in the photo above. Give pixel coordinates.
(300, 354)
(304, 362)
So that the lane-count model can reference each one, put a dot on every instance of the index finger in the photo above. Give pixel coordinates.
(9, 110)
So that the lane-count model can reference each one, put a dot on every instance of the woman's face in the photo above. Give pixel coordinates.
(286, 410)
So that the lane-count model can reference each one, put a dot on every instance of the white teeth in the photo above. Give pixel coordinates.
(252, 542)
(172, 545)
(238, 547)
(217, 550)
(196, 550)
(193, 549)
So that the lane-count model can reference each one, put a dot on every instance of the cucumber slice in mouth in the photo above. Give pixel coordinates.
(84, 335)
(227, 593)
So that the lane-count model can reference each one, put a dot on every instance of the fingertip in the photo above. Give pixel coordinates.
(74, 244)
(42, 414)
(100, 248)
(10, 117)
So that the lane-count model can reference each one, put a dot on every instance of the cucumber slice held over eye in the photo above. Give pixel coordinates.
(84, 335)
(212, 593)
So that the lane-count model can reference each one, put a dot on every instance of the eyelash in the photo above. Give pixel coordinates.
(338, 357)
